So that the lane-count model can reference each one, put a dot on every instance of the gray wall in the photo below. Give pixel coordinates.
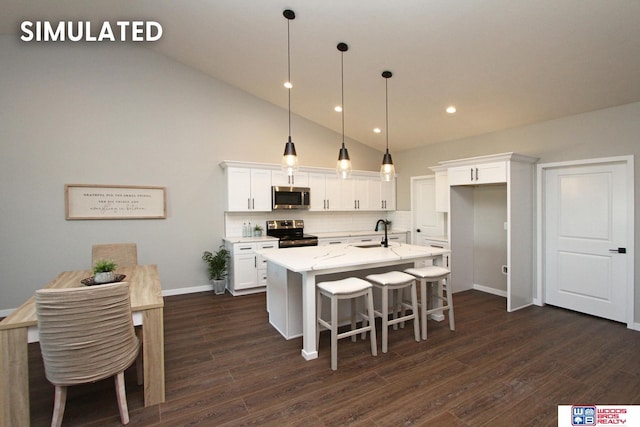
(603, 133)
(117, 114)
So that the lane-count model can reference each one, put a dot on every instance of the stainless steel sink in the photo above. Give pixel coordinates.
(369, 245)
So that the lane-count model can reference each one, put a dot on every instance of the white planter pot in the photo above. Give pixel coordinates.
(104, 277)
(219, 285)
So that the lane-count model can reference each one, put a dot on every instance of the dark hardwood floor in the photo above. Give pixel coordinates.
(226, 366)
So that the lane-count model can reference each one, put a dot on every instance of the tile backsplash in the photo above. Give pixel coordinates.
(318, 222)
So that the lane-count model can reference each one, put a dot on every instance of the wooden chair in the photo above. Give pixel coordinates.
(86, 335)
(123, 254)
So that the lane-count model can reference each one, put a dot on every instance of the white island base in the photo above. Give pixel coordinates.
(292, 275)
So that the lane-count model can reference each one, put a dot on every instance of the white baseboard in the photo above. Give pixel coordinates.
(192, 290)
(490, 290)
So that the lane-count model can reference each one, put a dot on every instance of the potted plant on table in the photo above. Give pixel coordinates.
(257, 230)
(218, 268)
(103, 271)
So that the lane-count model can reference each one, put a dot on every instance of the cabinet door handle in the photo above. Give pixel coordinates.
(327, 203)
(355, 204)
(476, 174)
(249, 203)
(253, 203)
(255, 261)
(471, 174)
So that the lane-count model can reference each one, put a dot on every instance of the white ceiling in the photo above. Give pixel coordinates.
(502, 63)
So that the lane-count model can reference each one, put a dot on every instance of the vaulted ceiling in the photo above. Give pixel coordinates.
(502, 63)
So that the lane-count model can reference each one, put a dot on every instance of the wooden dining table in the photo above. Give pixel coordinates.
(21, 328)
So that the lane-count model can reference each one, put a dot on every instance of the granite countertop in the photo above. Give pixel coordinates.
(265, 238)
(240, 239)
(344, 255)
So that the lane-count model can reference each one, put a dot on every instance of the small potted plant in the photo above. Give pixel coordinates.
(218, 263)
(103, 271)
(257, 230)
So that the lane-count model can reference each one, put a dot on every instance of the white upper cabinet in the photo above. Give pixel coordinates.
(387, 198)
(479, 173)
(299, 179)
(325, 192)
(248, 189)
(359, 193)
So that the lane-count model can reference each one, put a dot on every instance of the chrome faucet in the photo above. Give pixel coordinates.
(385, 241)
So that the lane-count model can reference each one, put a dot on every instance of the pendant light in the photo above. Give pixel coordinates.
(387, 170)
(289, 158)
(343, 167)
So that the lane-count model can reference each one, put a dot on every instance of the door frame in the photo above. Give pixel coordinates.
(413, 179)
(540, 243)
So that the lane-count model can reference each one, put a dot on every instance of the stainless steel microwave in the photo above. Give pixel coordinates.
(290, 197)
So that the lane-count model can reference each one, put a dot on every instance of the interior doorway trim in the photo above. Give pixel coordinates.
(540, 248)
(414, 202)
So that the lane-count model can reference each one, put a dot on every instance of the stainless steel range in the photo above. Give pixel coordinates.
(290, 233)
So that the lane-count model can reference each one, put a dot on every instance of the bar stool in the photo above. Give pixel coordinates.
(434, 275)
(391, 281)
(349, 288)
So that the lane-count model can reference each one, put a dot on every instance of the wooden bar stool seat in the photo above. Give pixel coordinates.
(392, 281)
(350, 288)
(434, 275)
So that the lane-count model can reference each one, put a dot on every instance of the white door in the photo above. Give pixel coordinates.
(426, 221)
(586, 221)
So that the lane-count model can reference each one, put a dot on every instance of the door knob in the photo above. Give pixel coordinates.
(417, 230)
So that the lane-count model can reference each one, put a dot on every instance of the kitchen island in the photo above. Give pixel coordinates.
(292, 274)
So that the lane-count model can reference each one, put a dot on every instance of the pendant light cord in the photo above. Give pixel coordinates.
(289, 71)
(342, 90)
(386, 108)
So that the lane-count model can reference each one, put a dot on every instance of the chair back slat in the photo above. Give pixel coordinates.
(123, 254)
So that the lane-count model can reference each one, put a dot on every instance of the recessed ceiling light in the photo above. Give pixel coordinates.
(451, 109)
(377, 130)
(338, 108)
(288, 85)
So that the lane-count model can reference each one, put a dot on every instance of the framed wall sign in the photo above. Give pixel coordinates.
(84, 201)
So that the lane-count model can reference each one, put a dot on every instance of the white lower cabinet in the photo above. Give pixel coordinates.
(324, 241)
(247, 270)
(398, 237)
(426, 241)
